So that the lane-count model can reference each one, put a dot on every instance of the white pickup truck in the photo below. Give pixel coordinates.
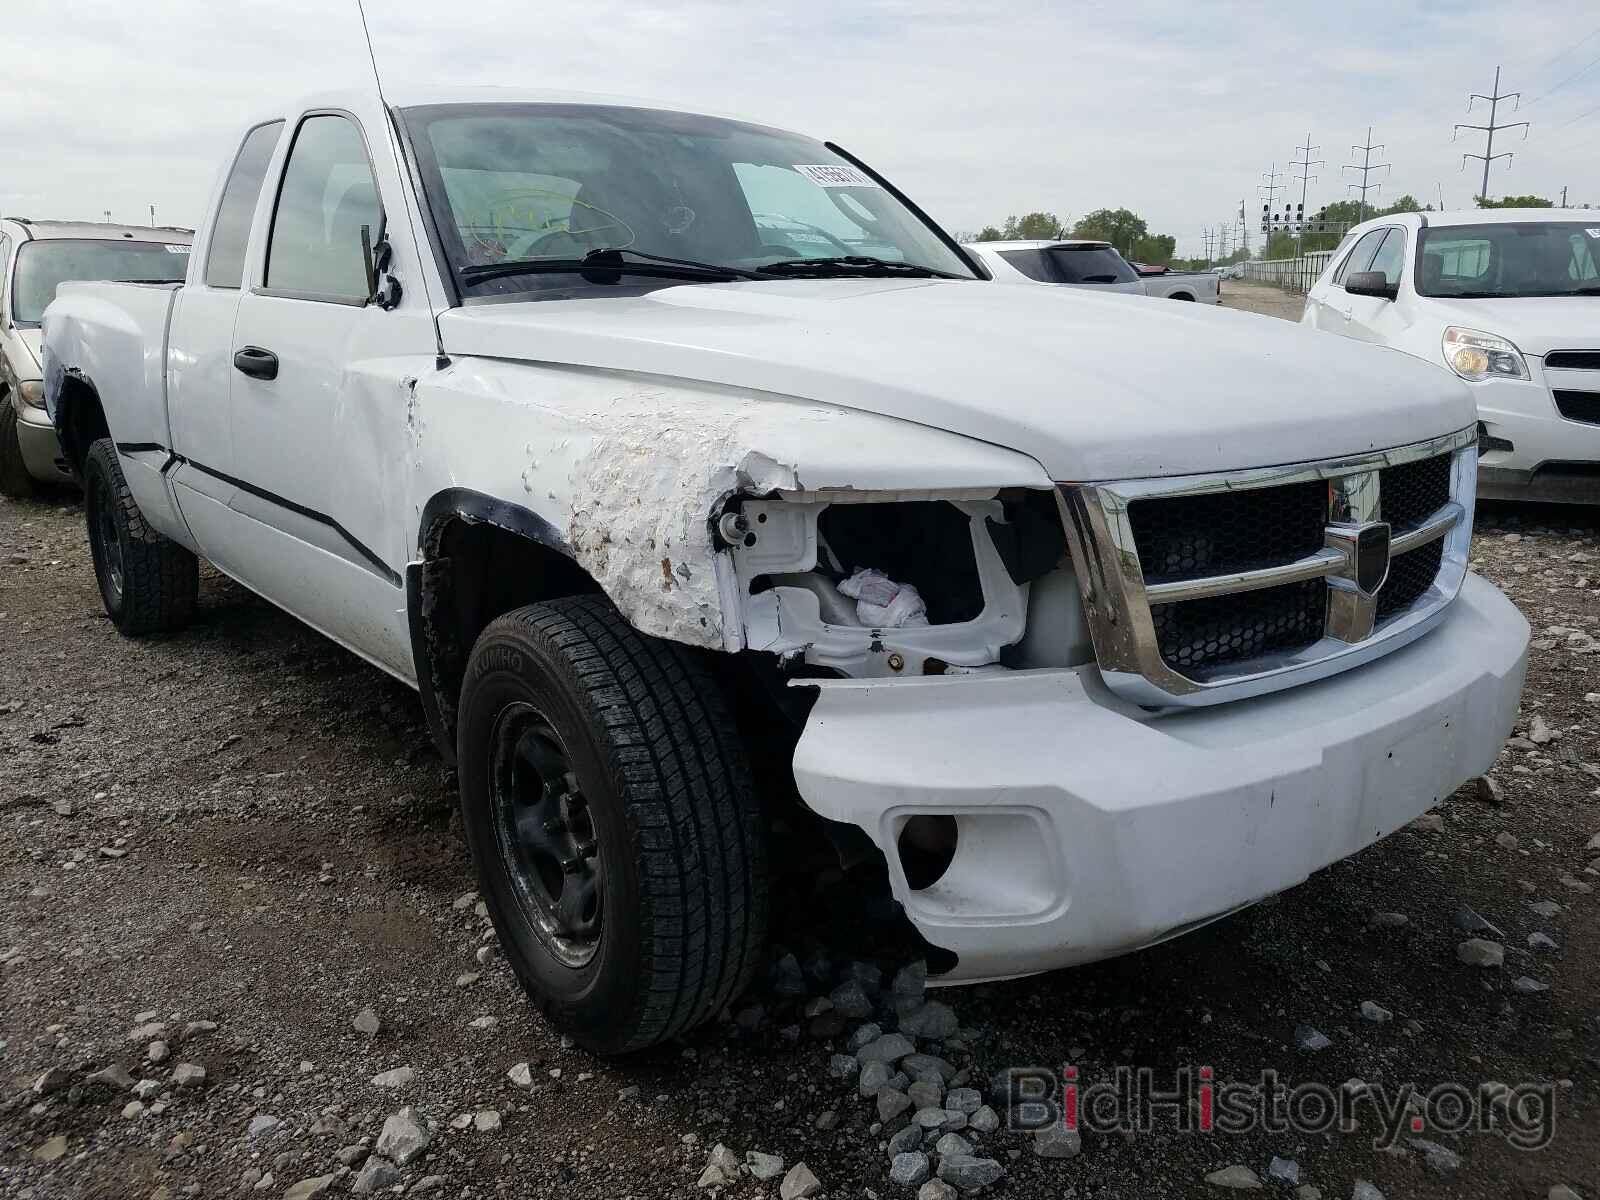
(1089, 621)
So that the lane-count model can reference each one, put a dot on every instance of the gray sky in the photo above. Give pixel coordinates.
(1173, 108)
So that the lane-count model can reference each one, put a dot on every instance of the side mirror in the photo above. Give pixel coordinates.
(1371, 283)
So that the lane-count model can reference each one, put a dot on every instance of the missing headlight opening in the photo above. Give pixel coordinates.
(905, 585)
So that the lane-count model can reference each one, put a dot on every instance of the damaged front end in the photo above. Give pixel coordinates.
(967, 559)
(962, 587)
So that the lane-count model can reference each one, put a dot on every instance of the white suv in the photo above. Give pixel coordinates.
(1508, 299)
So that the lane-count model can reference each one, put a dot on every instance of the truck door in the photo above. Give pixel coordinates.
(200, 346)
(1372, 318)
(1328, 304)
(306, 457)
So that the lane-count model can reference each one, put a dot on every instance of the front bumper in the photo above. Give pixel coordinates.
(1088, 828)
(1552, 458)
(41, 451)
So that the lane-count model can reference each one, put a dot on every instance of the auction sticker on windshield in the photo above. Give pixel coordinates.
(835, 175)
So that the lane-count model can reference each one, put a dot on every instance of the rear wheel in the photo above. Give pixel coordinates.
(612, 820)
(148, 583)
(14, 478)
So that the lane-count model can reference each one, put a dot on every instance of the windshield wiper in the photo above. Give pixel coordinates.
(607, 266)
(1585, 291)
(853, 264)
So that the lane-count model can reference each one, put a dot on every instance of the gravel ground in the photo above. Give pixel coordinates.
(1261, 298)
(222, 848)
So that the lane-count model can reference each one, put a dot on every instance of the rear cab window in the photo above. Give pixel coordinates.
(230, 231)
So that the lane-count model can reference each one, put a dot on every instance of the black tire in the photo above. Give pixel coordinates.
(659, 805)
(14, 478)
(148, 583)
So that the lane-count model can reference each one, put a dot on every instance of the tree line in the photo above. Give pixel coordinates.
(1130, 233)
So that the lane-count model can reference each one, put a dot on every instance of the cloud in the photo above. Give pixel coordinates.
(1169, 107)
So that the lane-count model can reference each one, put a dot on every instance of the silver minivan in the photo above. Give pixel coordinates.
(35, 258)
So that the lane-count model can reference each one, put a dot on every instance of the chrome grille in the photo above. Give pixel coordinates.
(1410, 575)
(1412, 492)
(1189, 537)
(1201, 589)
(1198, 636)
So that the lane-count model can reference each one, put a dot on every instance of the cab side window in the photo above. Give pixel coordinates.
(5, 275)
(1391, 257)
(237, 209)
(1362, 255)
(327, 199)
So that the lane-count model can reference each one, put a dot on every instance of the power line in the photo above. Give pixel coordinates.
(1488, 156)
(1578, 118)
(1581, 71)
(1366, 166)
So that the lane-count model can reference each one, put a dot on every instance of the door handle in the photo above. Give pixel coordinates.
(256, 363)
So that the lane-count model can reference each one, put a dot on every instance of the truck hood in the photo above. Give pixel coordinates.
(1093, 386)
(1536, 324)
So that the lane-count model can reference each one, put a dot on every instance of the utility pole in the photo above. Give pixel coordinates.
(108, 216)
(152, 216)
(1366, 166)
(1269, 187)
(1305, 164)
(1244, 229)
(1488, 156)
(1563, 195)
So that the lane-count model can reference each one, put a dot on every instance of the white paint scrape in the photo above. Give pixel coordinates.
(643, 495)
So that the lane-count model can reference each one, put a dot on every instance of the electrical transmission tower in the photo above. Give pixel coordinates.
(1306, 178)
(1268, 189)
(1488, 156)
(1366, 166)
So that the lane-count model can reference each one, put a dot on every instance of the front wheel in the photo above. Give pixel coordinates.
(148, 583)
(612, 819)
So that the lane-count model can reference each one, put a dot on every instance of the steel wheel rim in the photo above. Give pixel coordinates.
(545, 834)
(109, 545)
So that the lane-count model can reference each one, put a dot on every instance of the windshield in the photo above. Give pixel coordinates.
(522, 182)
(1546, 258)
(42, 265)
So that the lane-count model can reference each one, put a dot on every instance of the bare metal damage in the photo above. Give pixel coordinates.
(802, 612)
